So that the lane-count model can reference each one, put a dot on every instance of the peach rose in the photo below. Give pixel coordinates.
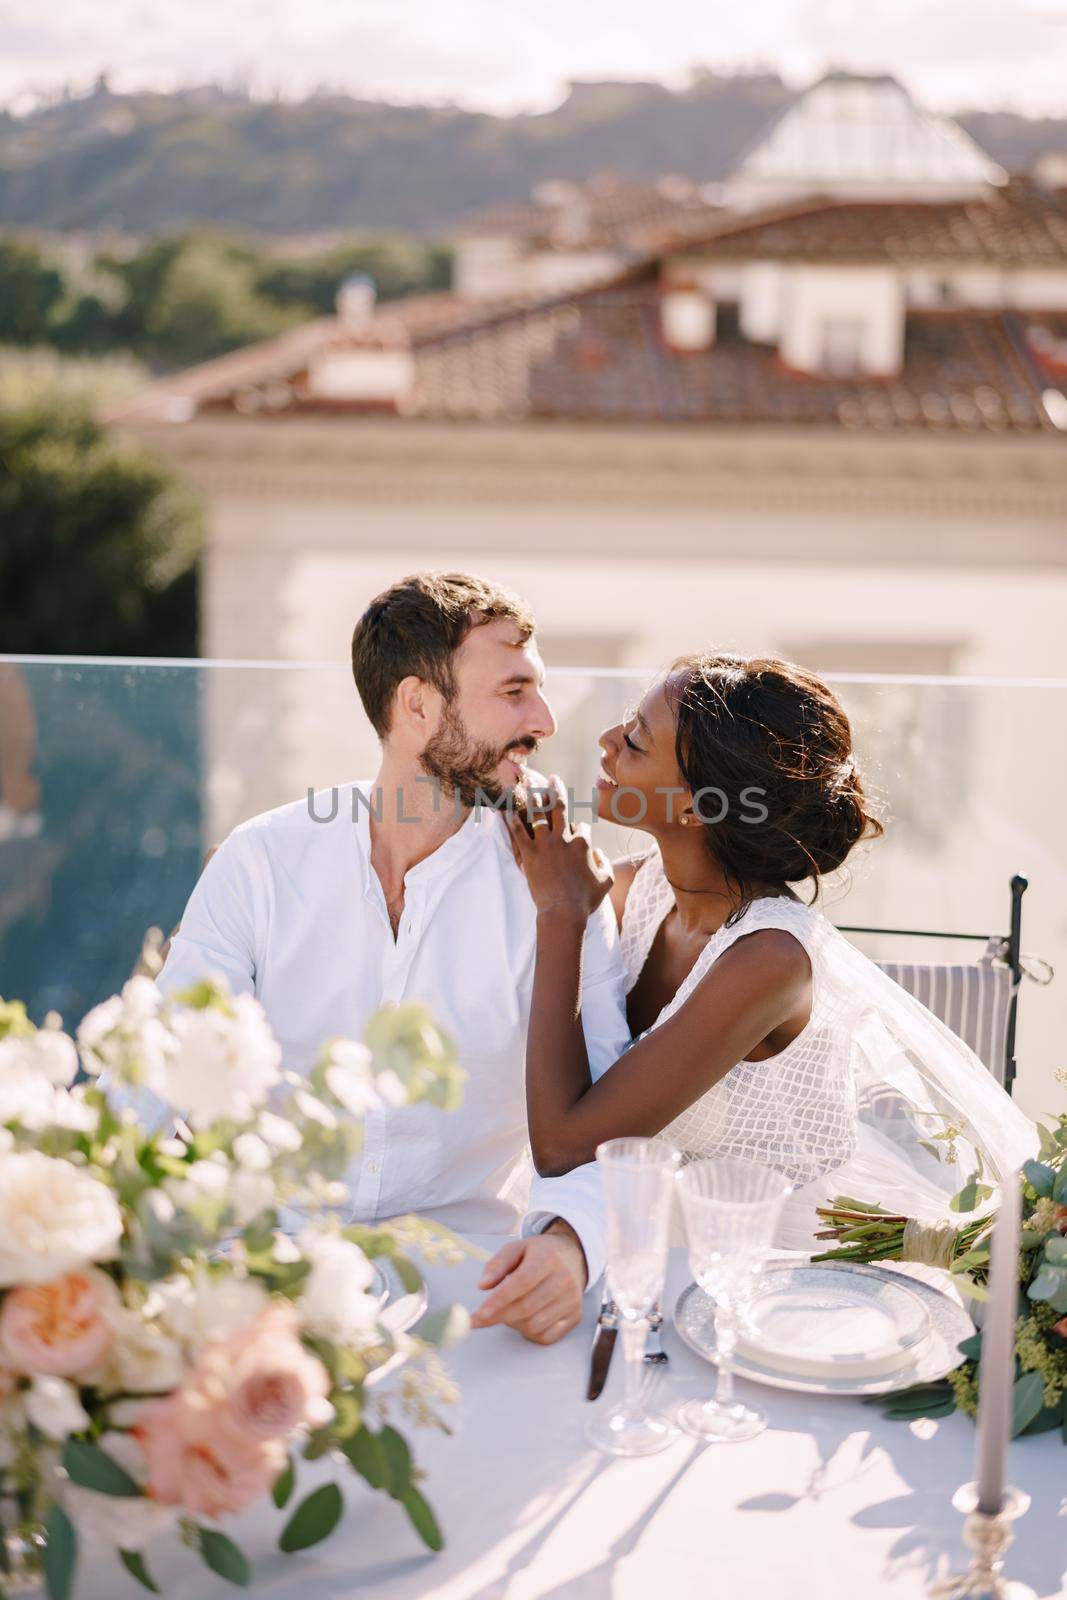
(207, 1470)
(1060, 1327)
(59, 1328)
(275, 1385)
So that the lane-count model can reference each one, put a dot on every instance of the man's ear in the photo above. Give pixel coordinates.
(415, 705)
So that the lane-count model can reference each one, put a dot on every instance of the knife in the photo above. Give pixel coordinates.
(607, 1331)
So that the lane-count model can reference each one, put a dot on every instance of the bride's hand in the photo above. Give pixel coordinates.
(563, 870)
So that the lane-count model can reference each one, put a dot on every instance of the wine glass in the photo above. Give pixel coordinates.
(638, 1184)
(731, 1209)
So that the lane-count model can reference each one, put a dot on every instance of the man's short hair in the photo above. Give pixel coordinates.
(415, 627)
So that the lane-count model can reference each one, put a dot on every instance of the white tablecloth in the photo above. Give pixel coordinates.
(832, 1502)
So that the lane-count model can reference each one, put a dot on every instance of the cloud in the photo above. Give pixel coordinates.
(506, 56)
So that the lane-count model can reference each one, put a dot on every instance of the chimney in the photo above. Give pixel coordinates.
(356, 301)
(687, 319)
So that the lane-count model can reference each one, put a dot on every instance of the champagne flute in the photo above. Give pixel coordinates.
(731, 1209)
(638, 1183)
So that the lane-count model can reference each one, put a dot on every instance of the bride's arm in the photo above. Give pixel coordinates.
(757, 985)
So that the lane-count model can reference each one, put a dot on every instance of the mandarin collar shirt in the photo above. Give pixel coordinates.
(290, 909)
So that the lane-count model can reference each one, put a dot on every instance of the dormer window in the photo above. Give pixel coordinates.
(842, 346)
(687, 320)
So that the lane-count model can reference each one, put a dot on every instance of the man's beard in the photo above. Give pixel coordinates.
(466, 768)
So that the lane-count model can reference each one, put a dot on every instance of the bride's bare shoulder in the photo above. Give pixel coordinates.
(625, 870)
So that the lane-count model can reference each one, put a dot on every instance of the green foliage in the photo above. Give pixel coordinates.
(134, 1563)
(189, 297)
(30, 291)
(314, 1519)
(92, 1468)
(283, 1484)
(60, 1553)
(224, 1557)
(423, 1520)
(99, 547)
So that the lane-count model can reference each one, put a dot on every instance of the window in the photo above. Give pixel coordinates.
(842, 346)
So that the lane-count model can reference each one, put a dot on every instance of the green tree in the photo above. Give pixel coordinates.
(30, 291)
(100, 543)
(398, 266)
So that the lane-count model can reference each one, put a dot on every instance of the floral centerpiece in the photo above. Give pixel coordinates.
(865, 1232)
(184, 1311)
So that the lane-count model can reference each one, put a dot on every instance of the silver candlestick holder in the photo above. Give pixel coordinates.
(987, 1534)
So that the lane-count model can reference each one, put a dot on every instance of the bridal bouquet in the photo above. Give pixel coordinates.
(183, 1313)
(865, 1232)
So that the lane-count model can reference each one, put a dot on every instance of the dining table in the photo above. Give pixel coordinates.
(833, 1501)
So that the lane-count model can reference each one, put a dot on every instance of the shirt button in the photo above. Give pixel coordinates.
(372, 1166)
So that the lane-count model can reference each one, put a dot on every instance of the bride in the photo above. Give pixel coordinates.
(759, 1031)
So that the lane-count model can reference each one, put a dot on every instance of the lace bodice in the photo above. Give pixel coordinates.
(796, 1111)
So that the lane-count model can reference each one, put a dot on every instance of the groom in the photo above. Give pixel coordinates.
(405, 888)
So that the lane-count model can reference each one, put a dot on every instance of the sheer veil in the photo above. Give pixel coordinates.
(930, 1115)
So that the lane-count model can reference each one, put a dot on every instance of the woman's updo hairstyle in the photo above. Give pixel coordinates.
(772, 747)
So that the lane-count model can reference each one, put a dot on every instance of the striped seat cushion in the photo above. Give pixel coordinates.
(972, 999)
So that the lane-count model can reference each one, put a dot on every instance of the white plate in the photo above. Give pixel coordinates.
(933, 1356)
(825, 1321)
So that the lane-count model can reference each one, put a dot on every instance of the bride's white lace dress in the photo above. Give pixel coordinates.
(874, 1098)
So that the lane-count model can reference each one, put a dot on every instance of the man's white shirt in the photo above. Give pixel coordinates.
(291, 910)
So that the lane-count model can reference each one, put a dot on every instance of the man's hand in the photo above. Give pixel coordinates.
(537, 1285)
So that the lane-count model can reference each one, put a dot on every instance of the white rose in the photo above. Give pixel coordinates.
(315, 1110)
(52, 1405)
(123, 1522)
(54, 1217)
(71, 1110)
(350, 1076)
(221, 1066)
(334, 1302)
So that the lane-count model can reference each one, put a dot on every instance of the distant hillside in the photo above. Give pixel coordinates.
(145, 162)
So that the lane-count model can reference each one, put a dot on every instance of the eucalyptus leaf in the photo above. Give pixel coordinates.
(134, 1563)
(1040, 1178)
(397, 1458)
(1048, 1284)
(971, 1348)
(970, 1196)
(1028, 1398)
(423, 1520)
(364, 1451)
(1048, 1417)
(1059, 1188)
(92, 1468)
(60, 1553)
(1056, 1250)
(283, 1484)
(223, 1557)
(313, 1520)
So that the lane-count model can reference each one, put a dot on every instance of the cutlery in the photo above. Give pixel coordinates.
(607, 1331)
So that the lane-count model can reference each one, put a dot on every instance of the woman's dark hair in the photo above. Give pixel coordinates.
(774, 743)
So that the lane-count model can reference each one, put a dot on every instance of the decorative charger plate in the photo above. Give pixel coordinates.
(816, 1320)
(930, 1358)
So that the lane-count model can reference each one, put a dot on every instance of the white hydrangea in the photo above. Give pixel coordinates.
(350, 1076)
(222, 1063)
(125, 1036)
(194, 1310)
(335, 1302)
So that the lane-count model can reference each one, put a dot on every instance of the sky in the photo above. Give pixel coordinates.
(512, 55)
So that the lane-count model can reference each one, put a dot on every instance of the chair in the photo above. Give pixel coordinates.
(978, 1000)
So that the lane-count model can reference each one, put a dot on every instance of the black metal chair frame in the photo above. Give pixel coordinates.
(1011, 953)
